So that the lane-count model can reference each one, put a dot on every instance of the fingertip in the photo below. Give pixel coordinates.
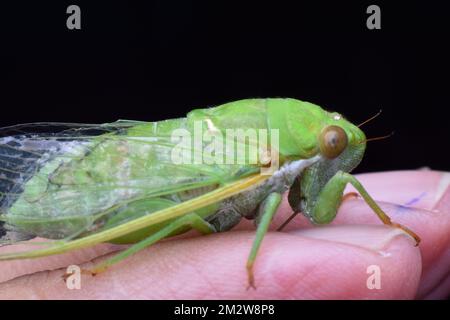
(339, 264)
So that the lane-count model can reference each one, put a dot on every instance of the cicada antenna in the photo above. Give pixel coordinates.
(378, 138)
(370, 119)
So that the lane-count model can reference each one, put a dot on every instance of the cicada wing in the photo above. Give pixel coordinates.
(61, 181)
(163, 215)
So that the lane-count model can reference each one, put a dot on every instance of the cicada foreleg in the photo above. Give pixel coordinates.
(331, 197)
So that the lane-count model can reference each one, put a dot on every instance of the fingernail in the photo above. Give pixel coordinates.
(442, 195)
(370, 237)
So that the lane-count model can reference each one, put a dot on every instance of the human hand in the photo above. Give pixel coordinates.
(302, 262)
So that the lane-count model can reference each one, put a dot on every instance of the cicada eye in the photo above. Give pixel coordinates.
(332, 141)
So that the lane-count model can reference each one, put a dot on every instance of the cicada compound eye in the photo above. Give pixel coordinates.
(332, 141)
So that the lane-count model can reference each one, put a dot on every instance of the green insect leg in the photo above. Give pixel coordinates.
(191, 220)
(266, 212)
(331, 197)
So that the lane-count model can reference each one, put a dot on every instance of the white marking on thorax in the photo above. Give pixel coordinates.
(211, 127)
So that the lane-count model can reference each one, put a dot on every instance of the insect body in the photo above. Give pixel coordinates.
(140, 182)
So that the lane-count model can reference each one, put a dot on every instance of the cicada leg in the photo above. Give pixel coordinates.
(266, 212)
(191, 220)
(330, 198)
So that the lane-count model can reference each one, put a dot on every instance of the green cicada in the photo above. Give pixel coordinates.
(136, 183)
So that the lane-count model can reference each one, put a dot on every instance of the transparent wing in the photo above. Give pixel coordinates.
(163, 215)
(61, 180)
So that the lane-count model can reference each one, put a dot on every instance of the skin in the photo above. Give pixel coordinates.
(299, 263)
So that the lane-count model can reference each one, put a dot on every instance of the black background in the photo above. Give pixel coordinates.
(163, 58)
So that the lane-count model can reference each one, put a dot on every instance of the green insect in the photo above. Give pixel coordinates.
(81, 185)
